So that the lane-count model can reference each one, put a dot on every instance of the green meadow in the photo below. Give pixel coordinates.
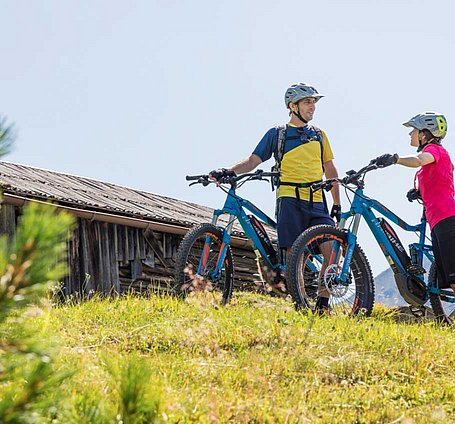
(154, 358)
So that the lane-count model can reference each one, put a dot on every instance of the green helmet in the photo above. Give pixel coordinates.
(297, 92)
(431, 121)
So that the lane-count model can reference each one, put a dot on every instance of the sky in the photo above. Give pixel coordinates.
(143, 93)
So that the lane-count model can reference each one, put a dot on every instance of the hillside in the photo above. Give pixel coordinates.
(256, 360)
(386, 289)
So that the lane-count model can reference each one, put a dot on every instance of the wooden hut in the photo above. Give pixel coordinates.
(124, 237)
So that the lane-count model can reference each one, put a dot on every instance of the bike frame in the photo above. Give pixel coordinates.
(235, 207)
(363, 206)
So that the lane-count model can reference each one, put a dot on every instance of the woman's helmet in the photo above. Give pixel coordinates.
(297, 92)
(431, 121)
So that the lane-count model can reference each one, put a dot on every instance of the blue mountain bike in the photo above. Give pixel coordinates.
(342, 269)
(204, 259)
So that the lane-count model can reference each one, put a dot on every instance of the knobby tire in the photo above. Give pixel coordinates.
(302, 279)
(188, 256)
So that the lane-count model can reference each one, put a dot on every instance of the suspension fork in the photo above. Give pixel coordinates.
(352, 239)
(334, 254)
(223, 249)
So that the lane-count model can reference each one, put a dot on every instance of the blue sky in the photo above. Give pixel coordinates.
(142, 93)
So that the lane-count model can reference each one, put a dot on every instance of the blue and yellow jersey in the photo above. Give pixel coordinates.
(301, 161)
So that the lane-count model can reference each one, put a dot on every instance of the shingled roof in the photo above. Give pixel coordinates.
(92, 195)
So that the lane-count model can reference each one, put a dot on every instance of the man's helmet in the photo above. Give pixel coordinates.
(431, 121)
(297, 92)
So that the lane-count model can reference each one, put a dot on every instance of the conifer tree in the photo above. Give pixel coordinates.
(30, 264)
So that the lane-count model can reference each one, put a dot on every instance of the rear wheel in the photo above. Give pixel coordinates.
(444, 311)
(196, 261)
(314, 265)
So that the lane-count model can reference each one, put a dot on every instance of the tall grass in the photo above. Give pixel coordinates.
(160, 359)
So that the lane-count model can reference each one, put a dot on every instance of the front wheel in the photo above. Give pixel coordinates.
(196, 262)
(314, 267)
(444, 311)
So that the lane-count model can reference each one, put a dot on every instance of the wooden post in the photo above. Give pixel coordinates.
(113, 255)
(87, 276)
(8, 220)
(104, 259)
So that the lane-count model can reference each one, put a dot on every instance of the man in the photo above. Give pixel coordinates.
(303, 155)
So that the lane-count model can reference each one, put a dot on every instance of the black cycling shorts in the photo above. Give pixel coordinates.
(294, 216)
(443, 240)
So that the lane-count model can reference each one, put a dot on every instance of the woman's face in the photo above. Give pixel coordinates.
(414, 137)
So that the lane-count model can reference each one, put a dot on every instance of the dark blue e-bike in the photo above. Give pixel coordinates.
(342, 269)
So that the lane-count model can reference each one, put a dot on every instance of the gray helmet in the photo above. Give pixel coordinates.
(431, 121)
(297, 92)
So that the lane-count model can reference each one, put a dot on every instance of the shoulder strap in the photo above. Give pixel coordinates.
(321, 142)
(281, 130)
(281, 142)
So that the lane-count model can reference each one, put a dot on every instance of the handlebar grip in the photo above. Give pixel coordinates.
(195, 177)
(271, 174)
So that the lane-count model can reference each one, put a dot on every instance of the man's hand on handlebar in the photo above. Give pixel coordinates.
(218, 174)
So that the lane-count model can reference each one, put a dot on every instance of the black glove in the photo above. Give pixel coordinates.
(336, 212)
(218, 174)
(386, 160)
(413, 194)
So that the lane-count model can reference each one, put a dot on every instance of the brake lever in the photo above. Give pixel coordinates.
(204, 181)
(328, 187)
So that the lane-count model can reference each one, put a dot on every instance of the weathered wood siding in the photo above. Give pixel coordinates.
(8, 220)
(111, 258)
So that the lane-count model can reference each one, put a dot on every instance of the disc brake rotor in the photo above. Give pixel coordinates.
(332, 283)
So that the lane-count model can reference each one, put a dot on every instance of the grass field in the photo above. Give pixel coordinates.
(256, 360)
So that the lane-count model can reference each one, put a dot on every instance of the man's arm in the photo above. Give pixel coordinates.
(246, 165)
(331, 172)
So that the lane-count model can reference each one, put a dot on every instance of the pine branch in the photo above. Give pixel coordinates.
(7, 136)
(30, 265)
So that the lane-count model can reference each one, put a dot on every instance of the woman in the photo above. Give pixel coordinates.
(435, 179)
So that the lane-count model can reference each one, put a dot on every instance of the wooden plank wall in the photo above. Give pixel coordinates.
(111, 259)
(120, 258)
(97, 253)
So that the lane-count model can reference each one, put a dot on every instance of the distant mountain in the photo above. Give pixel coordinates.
(386, 289)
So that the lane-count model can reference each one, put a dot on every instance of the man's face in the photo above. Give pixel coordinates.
(306, 108)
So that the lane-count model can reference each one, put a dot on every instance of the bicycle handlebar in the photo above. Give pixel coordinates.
(257, 175)
(353, 177)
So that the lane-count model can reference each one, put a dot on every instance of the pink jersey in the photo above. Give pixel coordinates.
(436, 185)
